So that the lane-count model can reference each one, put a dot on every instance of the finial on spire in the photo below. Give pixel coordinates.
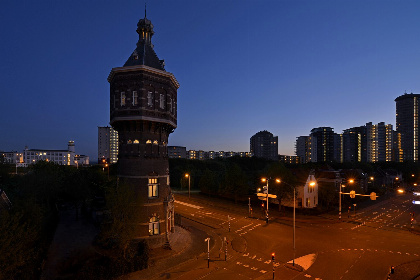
(145, 9)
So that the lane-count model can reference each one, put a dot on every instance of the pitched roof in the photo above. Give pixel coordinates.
(144, 53)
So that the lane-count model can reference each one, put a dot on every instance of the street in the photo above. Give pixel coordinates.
(362, 246)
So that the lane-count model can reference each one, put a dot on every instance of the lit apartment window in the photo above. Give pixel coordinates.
(135, 98)
(122, 98)
(150, 99)
(136, 141)
(154, 226)
(153, 188)
(162, 101)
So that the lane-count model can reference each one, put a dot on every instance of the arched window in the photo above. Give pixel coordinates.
(154, 226)
(136, 141)
(129, 142)
(149, 142)
(155, 142)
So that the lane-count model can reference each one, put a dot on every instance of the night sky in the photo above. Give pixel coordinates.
(243, 66)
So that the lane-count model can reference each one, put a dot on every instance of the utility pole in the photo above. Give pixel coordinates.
(208, 251)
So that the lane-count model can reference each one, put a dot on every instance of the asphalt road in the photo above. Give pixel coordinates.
(362, 246)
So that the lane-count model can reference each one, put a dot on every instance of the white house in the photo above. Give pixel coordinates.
(307, 194)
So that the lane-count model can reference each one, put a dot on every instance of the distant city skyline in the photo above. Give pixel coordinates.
(243, 67)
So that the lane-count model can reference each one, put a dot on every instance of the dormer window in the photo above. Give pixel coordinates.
(135, 56)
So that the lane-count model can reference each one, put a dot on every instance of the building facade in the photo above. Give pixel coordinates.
(177, 152)
(60, 157)
(303, 148)
(354, 144)
(322, 144)
(264, 145)
(379, 142)
(107, 144)
(143, 109)
(407, 124)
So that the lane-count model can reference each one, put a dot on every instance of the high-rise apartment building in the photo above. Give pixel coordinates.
(407, 124)
(354, 144)
(323, 144)
(303, 149)
(379, 142)
(264, 145)
(107, 144)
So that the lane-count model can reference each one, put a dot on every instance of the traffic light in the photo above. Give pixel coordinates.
(273, 256)
(352, 194)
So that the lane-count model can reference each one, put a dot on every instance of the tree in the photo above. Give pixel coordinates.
(208, 183)
(120, 229)
(284, 189)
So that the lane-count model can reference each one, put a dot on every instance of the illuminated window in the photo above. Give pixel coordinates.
(154, 226)
(134, 98)
(136, 141)
(129, 142)
(153, 190)
(149, 142)
(122, 98)
(150, 99)
(155, 142)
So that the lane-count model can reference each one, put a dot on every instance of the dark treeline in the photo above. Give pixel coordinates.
(238, 178)
(39, 193)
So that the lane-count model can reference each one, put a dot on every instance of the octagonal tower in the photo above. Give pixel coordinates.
(143, 109)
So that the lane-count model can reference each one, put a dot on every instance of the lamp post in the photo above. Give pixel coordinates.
(351, 181)
(311, 184)
(266, 180)
(208, 251)
(189, 184)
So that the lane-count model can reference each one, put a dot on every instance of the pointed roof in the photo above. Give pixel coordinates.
(144, 53)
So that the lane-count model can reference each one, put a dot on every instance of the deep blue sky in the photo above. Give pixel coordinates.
(243, 66)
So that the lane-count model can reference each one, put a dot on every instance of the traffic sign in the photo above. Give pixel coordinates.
(352, 194)
(265, 195)
(372, 196)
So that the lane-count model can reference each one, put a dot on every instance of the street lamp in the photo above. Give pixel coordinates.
(311, 184)
(266, 180)
(189, 183)
(351, 181)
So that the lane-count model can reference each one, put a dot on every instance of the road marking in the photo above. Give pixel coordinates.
(245, 265)
(188, 204)
(263, 271)
(245, 255)
(308, 276)
(267, 262)
(238, 263)
(254, 268)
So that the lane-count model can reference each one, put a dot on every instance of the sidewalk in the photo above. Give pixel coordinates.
(406, 271)
(183, 249)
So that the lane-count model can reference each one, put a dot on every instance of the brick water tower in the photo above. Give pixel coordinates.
(143, 109)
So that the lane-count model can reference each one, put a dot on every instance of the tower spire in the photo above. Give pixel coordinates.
(145, 8)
